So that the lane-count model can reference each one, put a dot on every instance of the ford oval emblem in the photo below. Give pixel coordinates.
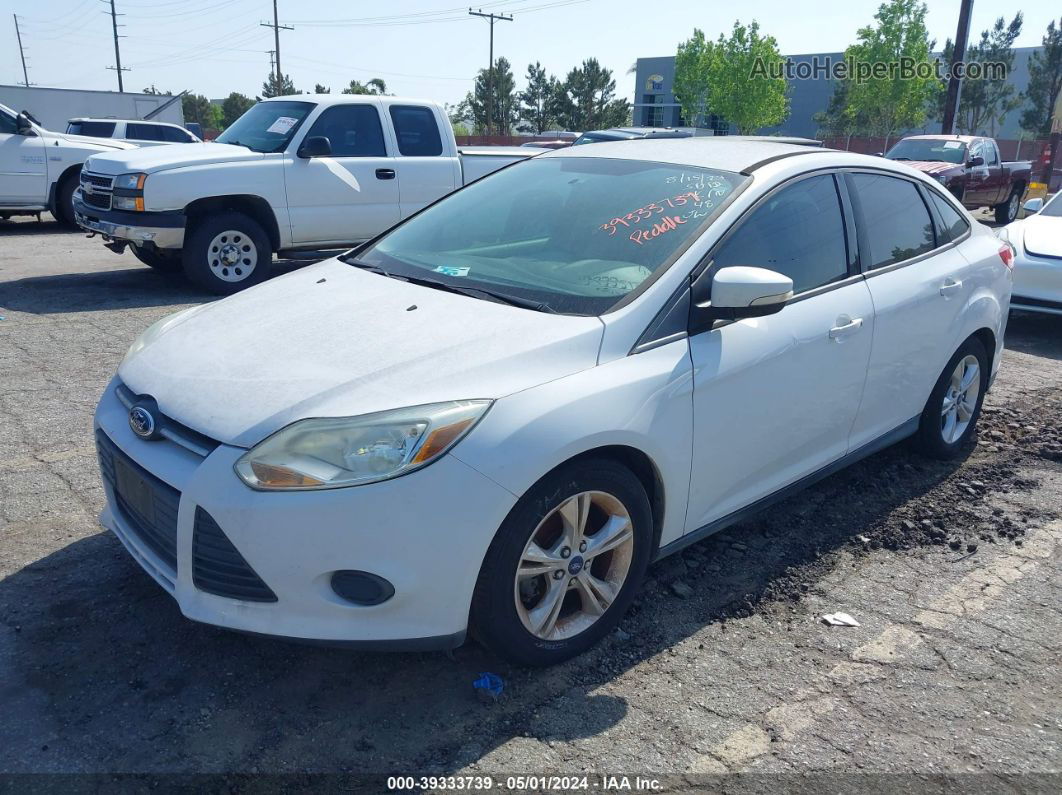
(141, 421)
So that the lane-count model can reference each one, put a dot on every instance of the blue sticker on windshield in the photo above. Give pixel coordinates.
(451, 270)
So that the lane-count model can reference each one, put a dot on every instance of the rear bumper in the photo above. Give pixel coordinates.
(165, 230)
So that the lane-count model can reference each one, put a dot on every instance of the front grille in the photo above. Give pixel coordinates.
(101, 201)
(96, 180)
(174, 431)
(151, 513)
(219, 568)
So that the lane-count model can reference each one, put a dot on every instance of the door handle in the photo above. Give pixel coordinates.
(843, 330)
(950, 286)
(385, 173)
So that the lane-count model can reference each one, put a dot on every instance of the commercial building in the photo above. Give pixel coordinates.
(52, 107)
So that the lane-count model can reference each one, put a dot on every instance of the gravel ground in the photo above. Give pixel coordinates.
(722, 666)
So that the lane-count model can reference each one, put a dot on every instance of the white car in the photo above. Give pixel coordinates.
(499, 412)
(1037, 242)
(138, 131)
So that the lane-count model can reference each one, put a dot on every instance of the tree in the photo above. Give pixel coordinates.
(835, 121)
(986, 101)
(536, 101)
(886, 100)
(740, 79)
(586, 100)
(199, 109)
(374, 86)
(1045, 83)
(234, 106)
(153, 90)
(505, 109)
(270, 88)
(319, 89)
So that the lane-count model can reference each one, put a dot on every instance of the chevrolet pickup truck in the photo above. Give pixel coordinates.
(970, 168)
(39, 168)
(297, 172)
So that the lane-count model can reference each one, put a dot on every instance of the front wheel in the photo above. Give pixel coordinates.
(1008, 210)
(565, 564)
(64, 201)
(227, 252)
(950, 416)
(158, 258)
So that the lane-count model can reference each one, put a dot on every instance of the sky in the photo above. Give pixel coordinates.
(421, 48)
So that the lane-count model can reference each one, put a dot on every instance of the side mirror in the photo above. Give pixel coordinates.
(23, 126)
(1033, 206)
(975, 161)
(879, 154)
(739, 292)
(315, 146)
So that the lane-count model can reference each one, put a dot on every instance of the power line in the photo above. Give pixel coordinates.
(21, 53)
(276, 26)
(491, 18)
(117, 52)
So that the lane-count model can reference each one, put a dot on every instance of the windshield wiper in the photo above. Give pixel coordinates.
(472, 292)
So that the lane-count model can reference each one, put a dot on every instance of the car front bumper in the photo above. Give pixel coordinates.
(426, 533)
(165, 230)
(1037, 283)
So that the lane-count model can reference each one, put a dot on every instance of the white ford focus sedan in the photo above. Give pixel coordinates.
(1037, 242)
(494, 416)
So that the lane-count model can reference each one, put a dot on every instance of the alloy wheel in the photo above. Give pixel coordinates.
(960, 399)
(574, 565)
(232, 256)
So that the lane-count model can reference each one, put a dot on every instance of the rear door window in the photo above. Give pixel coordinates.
(797, 231)
(353, 131)
(96, 129)
(953, 224)
(896, 221)
(416, 130)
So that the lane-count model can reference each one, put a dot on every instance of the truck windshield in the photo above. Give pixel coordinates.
(942, 150)
(574, 234)
(268, 126)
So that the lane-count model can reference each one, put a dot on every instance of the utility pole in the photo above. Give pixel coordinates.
(117, 54)
(277, 27)
(491, 18)
(951, 102)
(21, 52)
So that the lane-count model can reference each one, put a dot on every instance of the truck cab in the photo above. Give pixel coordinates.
(297, 172)
(39, 168)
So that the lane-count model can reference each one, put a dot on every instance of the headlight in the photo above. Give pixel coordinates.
(130, 181)
(134, 203)
(330, 453)
(156, 329)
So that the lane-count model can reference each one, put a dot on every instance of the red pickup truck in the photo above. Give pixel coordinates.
(970, 167)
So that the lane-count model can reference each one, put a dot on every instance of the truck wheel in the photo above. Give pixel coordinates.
(64, 201)
(157, 258)
(227, 252)
(1008, 210)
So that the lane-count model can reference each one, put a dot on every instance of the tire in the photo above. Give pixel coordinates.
(936, 436)
(227, 252)
(597, 489)
(1008, 210)
(64, 201)
(159, 259)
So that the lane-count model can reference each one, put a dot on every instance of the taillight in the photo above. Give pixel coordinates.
(1006, 253)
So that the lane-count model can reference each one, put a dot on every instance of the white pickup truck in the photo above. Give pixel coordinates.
(39, 168)
(297, 172)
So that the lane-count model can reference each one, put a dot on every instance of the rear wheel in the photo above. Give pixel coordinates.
(1008, 210)
(227, 252)
(564, 565)
(950, 416)
(157, 258)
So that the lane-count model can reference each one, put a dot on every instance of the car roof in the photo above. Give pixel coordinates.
(348, 99)
(964, 138)
(127, 121)
(707, 152)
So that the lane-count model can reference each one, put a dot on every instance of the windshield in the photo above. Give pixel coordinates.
(932, 149)
(574, 234)
(1053, 208)
(268, 126)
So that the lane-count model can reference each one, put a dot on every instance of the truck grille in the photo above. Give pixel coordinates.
(96, 190)
(219, 568)
(96, 180)
(101, 201)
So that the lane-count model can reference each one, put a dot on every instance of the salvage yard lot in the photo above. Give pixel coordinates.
(951, 569)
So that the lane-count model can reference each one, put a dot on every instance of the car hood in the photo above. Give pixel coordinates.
(1042, 235)
(332, 340)
(935, 167)
(158, 158)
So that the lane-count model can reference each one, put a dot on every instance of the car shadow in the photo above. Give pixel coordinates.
(113, 289)
(105, 674)
(1036, 333)
(27, 225)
